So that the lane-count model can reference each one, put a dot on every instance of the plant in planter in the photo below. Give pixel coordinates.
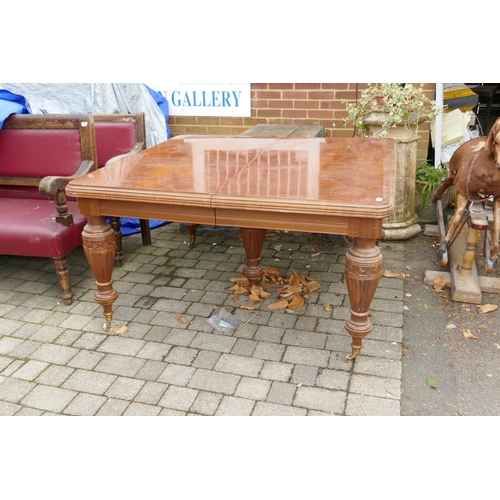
(401, 104)
(427, 180)
(395, 110)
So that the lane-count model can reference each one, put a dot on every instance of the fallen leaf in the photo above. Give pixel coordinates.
(250, 307)
(182, 319)
(312, 286)
(432, 383)
(280, 304)
(254, 297)
(297, 302)
(439, 283)
(450, 326)
(497, 345)
(390, 274)
(486, 308)
(120, 329)
(327, 307)
(468, 335)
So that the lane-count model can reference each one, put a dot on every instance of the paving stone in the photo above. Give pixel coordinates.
(52, 353)
(75, 322)
(378, 366)
(14, 366)
(86, 360)
(13, 390)
(8, 344)
(281, 393)
(176, 374)
(306, 356)
(28, 412)
(49, 398)
(4, 362)
(151, 393)
(239, 365)
(89, 381)
(30, 370)
(124, 388)
(113, 408)
(179, 337)
(244, 347)
(25, 349)
(121, 345)
(253, 388)
(206, 359)
(269, 334)
(178, 398)
(333, 379)
(90, 341)
(116, 364)
(264, 409)
(358, 405)
(269, 351)
(224, 383)
(54, 375)
(168, 412)
(304, 375)
(273, 370)
(181, 355)
(141, 410)
(154, 351)
(320, 399)
(233, 406)
(8, 409)
(85, 405)
(370, 385)
(212, 342)
(206, 403)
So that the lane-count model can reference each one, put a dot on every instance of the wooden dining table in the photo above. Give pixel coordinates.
(341, 186)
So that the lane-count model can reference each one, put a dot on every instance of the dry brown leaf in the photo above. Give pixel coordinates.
(280, 304)
(390, 274)
(486, 308)
(271, 270)
(468, 335)
(182, 319)
(439, 283)
(497, 345)
(297, 302)
(254, 297)
(240, 281)
(120, 329)
(312, 286)
(250, 307)
(327, 307)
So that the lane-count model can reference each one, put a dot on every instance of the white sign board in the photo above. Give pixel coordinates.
(206, 99)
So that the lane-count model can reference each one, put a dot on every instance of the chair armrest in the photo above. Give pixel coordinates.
(139, 146)
(51, 185)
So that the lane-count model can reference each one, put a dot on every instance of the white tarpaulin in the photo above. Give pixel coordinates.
(95, 98)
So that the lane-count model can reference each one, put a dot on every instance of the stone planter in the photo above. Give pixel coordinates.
(426, 212)
(403, 224)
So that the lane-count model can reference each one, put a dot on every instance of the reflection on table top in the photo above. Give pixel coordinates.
(314, 174)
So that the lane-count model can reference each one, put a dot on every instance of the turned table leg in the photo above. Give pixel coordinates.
(363, 269)
(253, 240)
(192, 228)
(99, 246)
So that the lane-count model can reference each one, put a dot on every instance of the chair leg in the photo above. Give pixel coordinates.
(62, 272)
(116, 224)
(145, 232)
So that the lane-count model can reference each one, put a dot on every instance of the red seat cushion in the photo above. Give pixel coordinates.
(29, 228)
(113, 139)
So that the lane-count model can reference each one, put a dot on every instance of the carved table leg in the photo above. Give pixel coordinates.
(192, 228)
(99, 246)
(116, 224)
(363, 269)
(253, 239)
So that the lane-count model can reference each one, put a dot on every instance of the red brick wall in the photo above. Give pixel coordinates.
(294, 104)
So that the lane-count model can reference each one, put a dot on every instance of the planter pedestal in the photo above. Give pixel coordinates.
(403, 223)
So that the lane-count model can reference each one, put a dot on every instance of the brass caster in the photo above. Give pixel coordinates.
(107, 325)
(192, 242)
(350, 357)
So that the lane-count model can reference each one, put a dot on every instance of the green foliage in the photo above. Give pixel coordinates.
(402, 104)
(432, 176)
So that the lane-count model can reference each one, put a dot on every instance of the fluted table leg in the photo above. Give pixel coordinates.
(363, 269)
(253, 240)
(99, 246)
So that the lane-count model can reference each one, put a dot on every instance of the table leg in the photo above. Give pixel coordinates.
(99, 246)
(253, 239)
(363, 269)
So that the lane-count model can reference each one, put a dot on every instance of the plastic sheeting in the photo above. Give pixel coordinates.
(10, 104)
(95, 98)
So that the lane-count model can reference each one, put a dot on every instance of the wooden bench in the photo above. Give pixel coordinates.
(40, 154)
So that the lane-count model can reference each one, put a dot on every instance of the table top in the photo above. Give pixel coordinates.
(350, 176)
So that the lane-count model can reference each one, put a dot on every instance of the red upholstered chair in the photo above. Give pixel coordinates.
(39, 155)
(119, 136)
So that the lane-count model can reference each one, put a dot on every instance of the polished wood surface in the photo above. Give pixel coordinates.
(328, 185)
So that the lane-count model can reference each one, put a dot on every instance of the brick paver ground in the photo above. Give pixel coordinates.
(57, 359)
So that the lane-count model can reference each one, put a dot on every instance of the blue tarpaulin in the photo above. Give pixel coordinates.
(41, 98)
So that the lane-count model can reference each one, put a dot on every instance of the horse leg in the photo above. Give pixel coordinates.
(455, 221)
(496, 232)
